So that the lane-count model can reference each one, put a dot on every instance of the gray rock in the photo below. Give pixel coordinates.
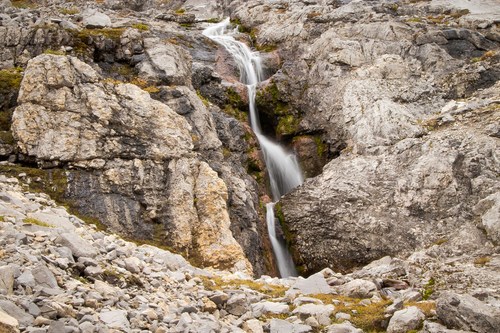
(321, 313)
(7, 279)
(132, 264)
(116, 319)
(95, 19)
(8, 324)
(431, 327)
(315, 284)
(358, 289)
(78, 246)
(467, 313)
(402, 321)
(44, 277)
(237, 304)
(342, 328)
(489, 209)
(263, 308)
(283, 326)
(19, 314)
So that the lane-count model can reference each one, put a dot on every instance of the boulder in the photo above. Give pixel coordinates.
(314, 284)
(95, 19)
(78, 246)
(44, 277)
(7, 279)
(342, 328)
(283, 326)
(467, 313)
(358, 288)
(263, 308)
(24, 318)
(8, 324)
(405, 320)
(116, 319)
(320, 312)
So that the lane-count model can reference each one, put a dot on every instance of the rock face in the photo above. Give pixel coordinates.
(141, 182)
(467, 313)
(415, 162)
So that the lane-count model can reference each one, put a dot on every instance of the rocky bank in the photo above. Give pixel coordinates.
(123, 112)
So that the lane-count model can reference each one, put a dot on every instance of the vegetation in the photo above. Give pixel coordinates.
(53, 182)
(427, 307)
(34, 221)
(428, 289)
(202, 98)
(217, 283)
(69, 11)
(111, 33)
(321, 147)
(24, 3)
(54, 52)
(10, 79)
(141, 26)
(481, 261)
(287, 125)
(368, 317)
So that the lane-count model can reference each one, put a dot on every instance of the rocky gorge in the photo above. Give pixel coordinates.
(133, 190)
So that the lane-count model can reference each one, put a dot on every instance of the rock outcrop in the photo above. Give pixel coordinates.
(137, 180)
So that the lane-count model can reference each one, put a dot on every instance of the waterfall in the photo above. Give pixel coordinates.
(283, 168)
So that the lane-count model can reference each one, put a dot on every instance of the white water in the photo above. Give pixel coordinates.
(284, 171)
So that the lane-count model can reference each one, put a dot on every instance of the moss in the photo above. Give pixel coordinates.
(151, 89)
(30, 220)
(180, 11)
(69, 11)
(226, 152)
(427, 307)
(24, 4)
(482, 261)
(202, 98)
(266, 47)
(111, 33)
(217, 283)
(141, 26)
(321, 147)
(237, 114)
(186, 25)
(10, 79)
(287, 125)
(2, 218)
(54, 52)
(213, 20)
(6, 137)
(441, 241)
(415, 20)
(234, 99)
(428, 289)
(53, 182)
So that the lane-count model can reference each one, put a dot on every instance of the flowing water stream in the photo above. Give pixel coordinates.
(283, 168)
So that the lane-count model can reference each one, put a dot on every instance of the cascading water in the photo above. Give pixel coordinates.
(283, 168)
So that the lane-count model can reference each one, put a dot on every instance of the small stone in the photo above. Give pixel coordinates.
(237, 305)
(209, 306)
(342, 328)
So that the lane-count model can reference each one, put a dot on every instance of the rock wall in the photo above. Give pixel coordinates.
(402, 98)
